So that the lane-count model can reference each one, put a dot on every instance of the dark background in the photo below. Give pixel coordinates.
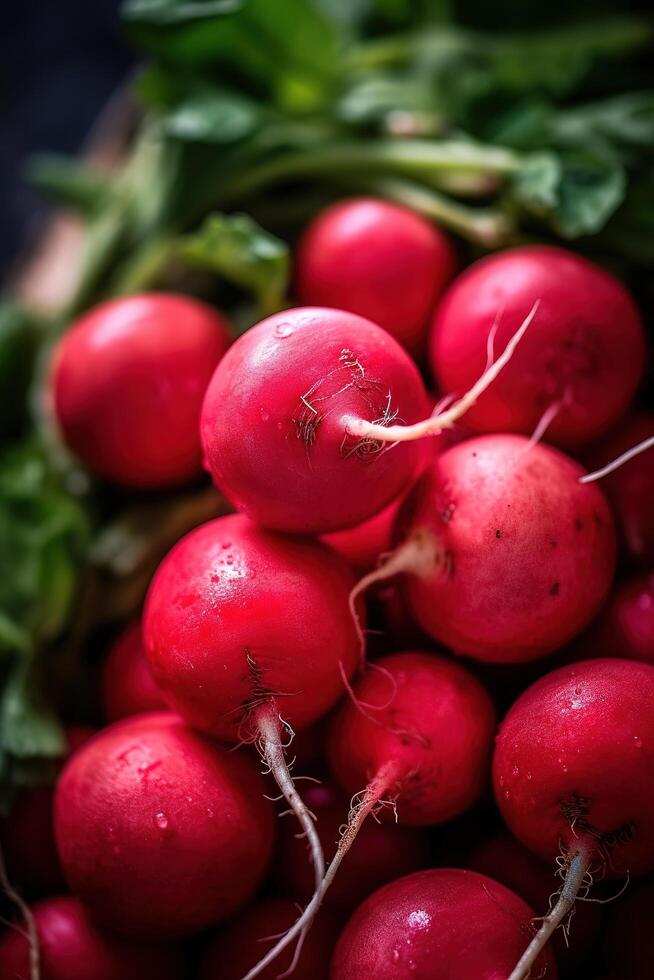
(59, 62)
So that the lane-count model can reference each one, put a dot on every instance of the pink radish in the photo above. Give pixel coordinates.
(128, 686)
(501, 857)
(274, 420)
(507, 555)
(72, 947)
(382, 852)
(417, 734)
(629, 486)
(444, 924)
(237, 947)
(362, 546)
(161, 832)
(377, 259)
(574, 776)
(250, 637)
(582, 360)
(625, 627)
(128, 379)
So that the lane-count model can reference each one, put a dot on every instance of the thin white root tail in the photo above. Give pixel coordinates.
(434, 425)
(578, 866)
(269, 726)
(615, 464)
(29, 932)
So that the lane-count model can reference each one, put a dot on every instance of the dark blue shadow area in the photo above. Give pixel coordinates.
(59, 62)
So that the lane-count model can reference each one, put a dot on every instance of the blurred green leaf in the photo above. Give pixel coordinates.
(70, 184)
(213, 116)
(177, 11)
(236, 248)
(29, 728)
(18, 344)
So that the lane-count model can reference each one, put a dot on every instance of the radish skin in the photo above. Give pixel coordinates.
(276, 415)
(380, 260)
(573, 774)
(625, 627)
(161, 832)
(585, 351)
(445, 924)
(506, 555)
(127, 383)
(128, 686)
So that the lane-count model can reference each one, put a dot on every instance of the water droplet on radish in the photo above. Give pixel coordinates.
(638, 742)
(161, 820)
(283, 330)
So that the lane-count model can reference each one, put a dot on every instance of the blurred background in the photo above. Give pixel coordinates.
(60, 62)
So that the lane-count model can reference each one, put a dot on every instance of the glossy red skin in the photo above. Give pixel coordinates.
(629, 488)
(585, 731)
(128, 687)
(627, 937)
(161, 832)
(128, 379)
(524, 552)
(501, 857)
(443, 757)
(361, 546)
(27, 835)
(380, 853)
(380, 260)
(586, 338)
(72, 947)
(626, 625)
(235, 611)
(260, 440)
(445, 924)
(237, 948)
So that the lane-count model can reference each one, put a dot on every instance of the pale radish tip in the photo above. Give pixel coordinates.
(619, 461)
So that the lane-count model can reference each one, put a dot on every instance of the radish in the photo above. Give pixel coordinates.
(71, 947)
(27, 835)
(507, 555)
(501, 857)
(250, 637)
(380, 260)
(625, 627)
(275, 420)
(574, 776)
(161, 832)
(629, 486)
(381, 853)
(237, 947)
(445, 924)
(128, 686)
(581, 362)
(362, 546)
(417, 735)
(127, 384)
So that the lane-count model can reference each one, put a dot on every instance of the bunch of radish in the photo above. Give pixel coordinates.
(442, 837)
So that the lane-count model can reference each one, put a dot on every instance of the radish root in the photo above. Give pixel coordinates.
(435, 424)
(615, 464)
(29, 932)
(578, 865)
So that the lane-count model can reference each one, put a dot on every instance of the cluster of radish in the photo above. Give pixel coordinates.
(473, 541)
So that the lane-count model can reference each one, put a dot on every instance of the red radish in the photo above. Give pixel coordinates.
(627, 936)
(128, 379)
(444, 924)
(625, 627)
(380, 260)
(161, 832)
(417, 734)
(362, 546)
(72, 947)
(574, 775)
(508, 555)
(128, 686)
(583, 355)
(235, 949)
(381, 853)
(629, 487)
(250, 637)
(501, 857)
(276, 414)
(27, 835)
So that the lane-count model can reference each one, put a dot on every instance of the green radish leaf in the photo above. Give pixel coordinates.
(18, 344)
(177, 11)
(70, 184)
(213, 116)
(239, 250)
(29, 728)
